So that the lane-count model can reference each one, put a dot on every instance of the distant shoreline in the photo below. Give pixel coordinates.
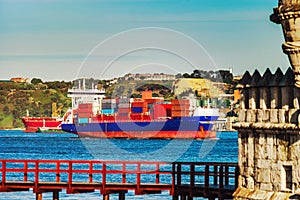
(12, 129)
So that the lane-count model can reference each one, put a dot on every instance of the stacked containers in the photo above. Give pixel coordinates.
(162, 110)
(109, 106)
(123, 109)
(138, 109)
(84, 112)
(180, 108)
(151, 103)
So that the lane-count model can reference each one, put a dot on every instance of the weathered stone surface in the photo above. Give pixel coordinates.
(274, 116)
(264, 175)
(251, 116)
(281, 115)
(266, 186)
(242, 116)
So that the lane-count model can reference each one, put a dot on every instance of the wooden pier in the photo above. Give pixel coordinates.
(183, 180)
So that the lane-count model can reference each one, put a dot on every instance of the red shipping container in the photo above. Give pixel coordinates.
(152, 101)
(84, 115)
(139, 104)
(160, 111)
(85, 106)
(124, 110)
(180, 101)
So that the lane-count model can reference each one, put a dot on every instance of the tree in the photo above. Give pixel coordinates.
(186, 75)
(36, 81)
(6, 110)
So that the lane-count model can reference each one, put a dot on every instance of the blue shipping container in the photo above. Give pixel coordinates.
(108, 111)
(137, 109)
(83, 120)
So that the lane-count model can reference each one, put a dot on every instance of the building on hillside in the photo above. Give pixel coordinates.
(148, 76)
(20, 80)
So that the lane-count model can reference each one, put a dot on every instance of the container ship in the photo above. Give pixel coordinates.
(93, 115)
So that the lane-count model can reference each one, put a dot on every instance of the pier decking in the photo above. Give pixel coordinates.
(183, 180)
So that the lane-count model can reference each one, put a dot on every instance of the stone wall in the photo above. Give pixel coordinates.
(269, 136)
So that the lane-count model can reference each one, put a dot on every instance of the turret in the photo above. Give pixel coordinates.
(288, 15)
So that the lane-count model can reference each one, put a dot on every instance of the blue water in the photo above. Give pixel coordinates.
(64, 146)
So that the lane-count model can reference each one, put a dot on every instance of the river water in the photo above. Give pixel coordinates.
(64, 146)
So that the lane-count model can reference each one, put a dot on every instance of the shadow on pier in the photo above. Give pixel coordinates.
(183, 180)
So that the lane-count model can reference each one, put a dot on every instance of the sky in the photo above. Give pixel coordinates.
(69, 39)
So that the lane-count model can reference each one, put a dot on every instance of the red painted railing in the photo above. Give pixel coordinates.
(77, 176)
(85, 172)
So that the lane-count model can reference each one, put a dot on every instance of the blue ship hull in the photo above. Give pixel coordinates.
(185, 127)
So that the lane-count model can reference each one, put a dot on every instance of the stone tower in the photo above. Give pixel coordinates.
(288, 15)
(269, 121)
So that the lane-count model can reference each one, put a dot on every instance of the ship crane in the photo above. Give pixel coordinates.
(56, 112)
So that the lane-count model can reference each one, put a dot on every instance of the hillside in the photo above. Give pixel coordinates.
(201, 87)
(133, 88)
(17, 98)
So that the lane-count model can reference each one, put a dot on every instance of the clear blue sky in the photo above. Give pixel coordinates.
(49, 39)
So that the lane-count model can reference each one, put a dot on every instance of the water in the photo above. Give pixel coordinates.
(64, 146)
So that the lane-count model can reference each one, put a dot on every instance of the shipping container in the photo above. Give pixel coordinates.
(124, 105)
(109, 101)
(139, 104)
(108, 111)
(180, 101)
(123, 110)
(180, 107)
(162, 110)
(123, 114)
(137, 109)
(124, 101)
(152, 101)
(84, 115)
(85, 106)
(83, 120)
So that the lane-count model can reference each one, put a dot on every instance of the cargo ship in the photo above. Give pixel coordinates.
(93, 115)
(45, 124)
(40, 124)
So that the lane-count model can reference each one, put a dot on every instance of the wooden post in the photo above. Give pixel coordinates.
(192, 175)
(106, 197)
(175, 197)
(91, 172)
(138, 177)
(121, 196)
(179, 174)
(25, 171)
(39, 196)
(70, 177)
(215, 175)
(57, 172)
(236, 178)
(103, 177)
(124, 173)
(3, 175)
(226, 175)
(55, 195)
(157, 174)
(221, 178)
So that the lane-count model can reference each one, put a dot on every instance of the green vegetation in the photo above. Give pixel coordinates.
(36, 97)
(134, 88)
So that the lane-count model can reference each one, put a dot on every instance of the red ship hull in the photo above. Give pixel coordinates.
(34, 124)
(152, 135)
